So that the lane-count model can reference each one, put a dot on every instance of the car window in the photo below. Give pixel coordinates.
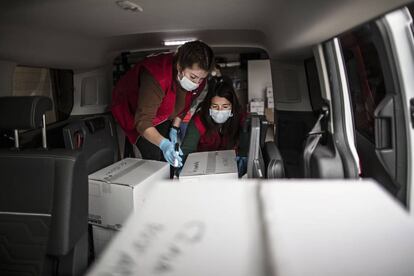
(365, 77)
(377, 105)
(55, 84)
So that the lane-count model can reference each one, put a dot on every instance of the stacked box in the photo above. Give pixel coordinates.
(117, 190)
(101, 238)
(257, 106)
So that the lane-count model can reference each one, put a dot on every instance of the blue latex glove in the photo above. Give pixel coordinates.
(241, 165)
(170, 154)
(173, 135)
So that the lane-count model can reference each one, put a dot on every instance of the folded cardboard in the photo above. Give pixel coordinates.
(118, 189)
(337, 228)
(209, 164)
(203, 228)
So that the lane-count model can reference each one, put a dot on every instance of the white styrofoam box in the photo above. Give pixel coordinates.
(208, 164)
(259, 77)
(101, 238)
(201, 228)
(336, 228)
(118, 189)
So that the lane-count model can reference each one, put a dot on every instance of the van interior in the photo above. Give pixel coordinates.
(62, 59)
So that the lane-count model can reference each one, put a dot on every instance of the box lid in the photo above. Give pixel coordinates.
(128, 171)
(210, 162)
(176, 234)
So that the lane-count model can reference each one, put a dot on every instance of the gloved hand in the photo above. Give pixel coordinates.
(241, 165)
(173, 135)
(170, 153)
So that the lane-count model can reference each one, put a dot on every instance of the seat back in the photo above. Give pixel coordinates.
(43, 199)
(96, 138)
(321, 158)
(273, 161)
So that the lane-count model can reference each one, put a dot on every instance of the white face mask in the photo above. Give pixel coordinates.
(220, 116)
(187, 84)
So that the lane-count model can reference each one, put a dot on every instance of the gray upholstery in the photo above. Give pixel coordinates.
(273, 160)
(43, 204)
(96, 138)
(23, 112)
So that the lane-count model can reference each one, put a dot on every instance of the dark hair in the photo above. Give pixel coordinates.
(195, 52)
(221, 87)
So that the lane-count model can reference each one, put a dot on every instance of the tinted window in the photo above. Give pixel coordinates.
(365, 77)
(55, 84)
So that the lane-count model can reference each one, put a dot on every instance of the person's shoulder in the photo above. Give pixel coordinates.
(159, 66)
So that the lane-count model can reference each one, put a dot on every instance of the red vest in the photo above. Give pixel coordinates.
(211, 142)
(125, 93)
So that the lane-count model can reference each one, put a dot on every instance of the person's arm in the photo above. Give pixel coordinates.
(152, 135)
(191, 139)
(149, 100)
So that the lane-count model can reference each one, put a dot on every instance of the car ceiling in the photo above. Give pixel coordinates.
(90, 33)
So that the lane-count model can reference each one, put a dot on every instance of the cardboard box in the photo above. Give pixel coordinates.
(209, 164)
(257, 106)
(117, 190)
(256, 103)
(202, 228)
(259, 111)
(101, 238)
(336, 227)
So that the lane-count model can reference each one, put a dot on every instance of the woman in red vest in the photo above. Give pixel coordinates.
(218, 122)
(151, 99)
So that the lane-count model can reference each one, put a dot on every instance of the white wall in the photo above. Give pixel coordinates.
(290, 86)
(258, 78)
(92, 93)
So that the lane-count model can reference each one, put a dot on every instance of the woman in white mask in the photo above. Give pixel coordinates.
(151, 99)
(217, 122)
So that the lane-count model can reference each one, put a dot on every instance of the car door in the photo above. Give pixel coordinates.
(377, 58)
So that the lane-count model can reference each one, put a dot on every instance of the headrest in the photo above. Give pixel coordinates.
(23, 112)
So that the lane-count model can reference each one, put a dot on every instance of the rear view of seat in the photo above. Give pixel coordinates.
(43, 199)
(96, 138)
(273, 161)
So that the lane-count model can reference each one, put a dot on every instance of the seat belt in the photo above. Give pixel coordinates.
(313, 139)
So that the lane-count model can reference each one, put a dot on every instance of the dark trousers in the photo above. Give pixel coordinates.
(149, 150)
